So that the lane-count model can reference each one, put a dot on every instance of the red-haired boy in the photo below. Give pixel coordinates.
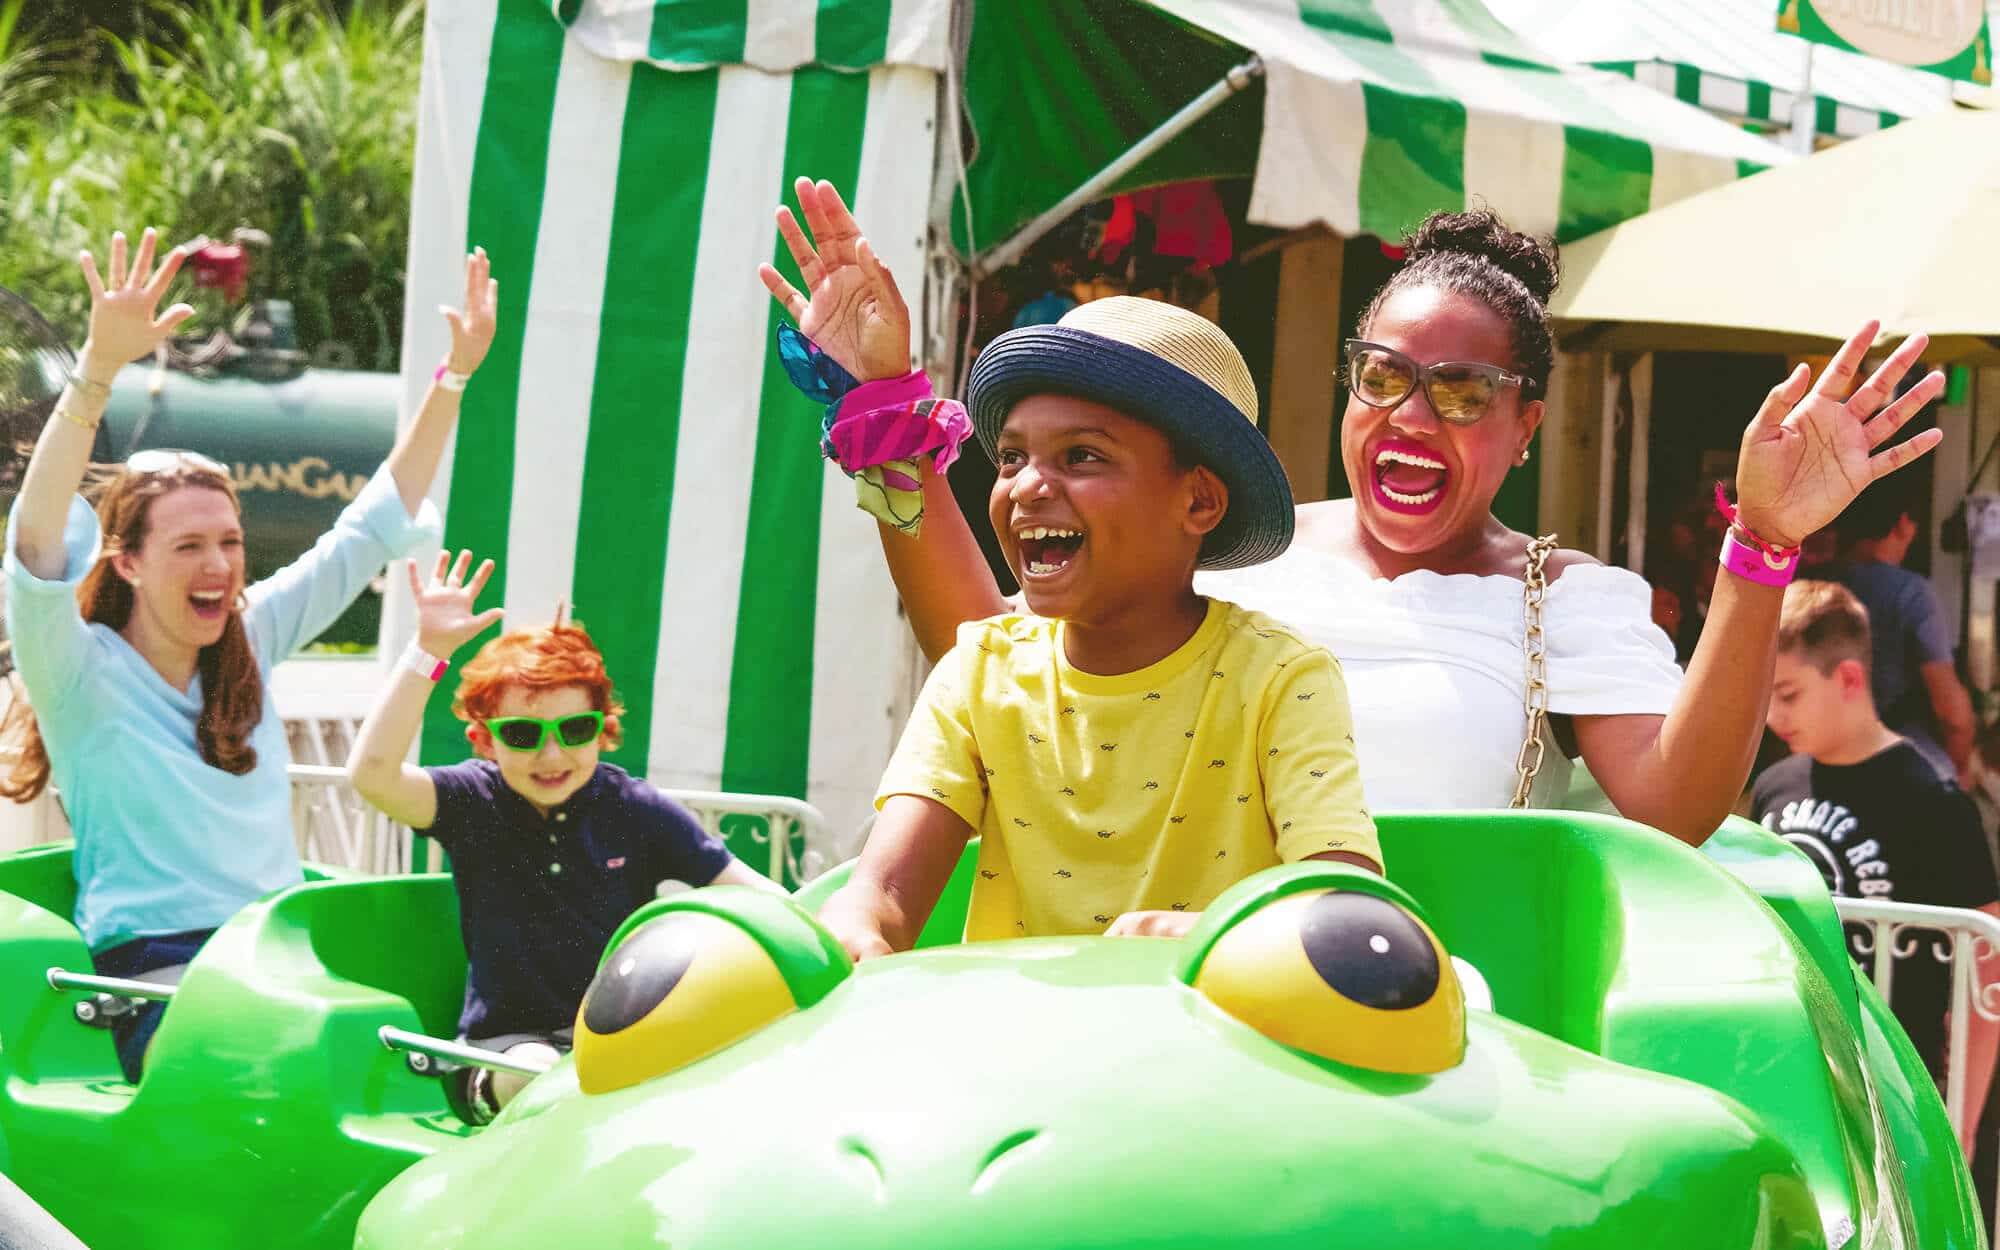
(551, 848)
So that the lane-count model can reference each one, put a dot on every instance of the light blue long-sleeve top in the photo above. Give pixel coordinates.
(166, 842)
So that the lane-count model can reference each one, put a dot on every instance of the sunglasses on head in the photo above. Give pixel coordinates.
(1459, 391)
(170, 459)
(528, 733)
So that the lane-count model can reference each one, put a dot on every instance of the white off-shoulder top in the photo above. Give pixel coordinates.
(1435, 672)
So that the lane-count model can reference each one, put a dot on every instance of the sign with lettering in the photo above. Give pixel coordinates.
(309, 476)
(1948, 37)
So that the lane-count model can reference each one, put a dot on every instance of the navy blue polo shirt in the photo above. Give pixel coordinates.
(539, 896)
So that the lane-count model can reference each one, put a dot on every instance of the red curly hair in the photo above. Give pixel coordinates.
(536, 660)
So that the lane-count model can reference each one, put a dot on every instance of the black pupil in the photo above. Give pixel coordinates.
(577, 730)
(641, 973)
(1370, 950)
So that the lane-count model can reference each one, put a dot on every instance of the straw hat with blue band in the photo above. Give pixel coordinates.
(1170, 368)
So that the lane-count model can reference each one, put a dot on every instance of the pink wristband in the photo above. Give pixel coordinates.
(418, 660)
(1761, 567)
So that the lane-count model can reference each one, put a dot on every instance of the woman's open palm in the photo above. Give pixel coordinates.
(855, 313)
(1807, 453)
(445, 619)
(123, 326)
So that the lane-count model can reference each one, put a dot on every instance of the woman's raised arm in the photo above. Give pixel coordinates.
(122, 329)
(413, 462)
(1805, 456)
(856, 315)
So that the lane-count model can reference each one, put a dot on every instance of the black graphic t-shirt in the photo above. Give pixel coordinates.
(1887, 828)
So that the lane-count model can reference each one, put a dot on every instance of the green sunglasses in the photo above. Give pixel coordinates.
(528, 733)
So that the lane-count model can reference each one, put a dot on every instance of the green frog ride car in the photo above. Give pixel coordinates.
(1670, 1060)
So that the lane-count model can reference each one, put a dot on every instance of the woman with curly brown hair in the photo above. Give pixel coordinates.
(146, 660)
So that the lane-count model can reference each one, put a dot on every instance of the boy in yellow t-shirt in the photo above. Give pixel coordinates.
(1131, 748)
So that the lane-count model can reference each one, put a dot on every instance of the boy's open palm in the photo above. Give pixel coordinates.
(445, 619)
(855, 313)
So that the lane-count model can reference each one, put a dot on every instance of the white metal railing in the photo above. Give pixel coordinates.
(1954, 936)
(784, 819)
(336, 827)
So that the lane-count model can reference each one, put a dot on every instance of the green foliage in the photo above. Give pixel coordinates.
(300, 122)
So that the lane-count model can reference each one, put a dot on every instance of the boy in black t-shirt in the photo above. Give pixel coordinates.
(1871, 813)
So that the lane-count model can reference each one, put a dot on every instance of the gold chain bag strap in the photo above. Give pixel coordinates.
(1534, 649)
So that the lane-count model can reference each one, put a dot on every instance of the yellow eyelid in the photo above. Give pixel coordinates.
(1259, 972)
(730, 989)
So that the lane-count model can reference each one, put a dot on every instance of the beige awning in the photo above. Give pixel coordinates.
(1903, 225)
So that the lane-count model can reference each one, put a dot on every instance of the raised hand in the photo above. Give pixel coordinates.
(472, 325)
(445, 619)
(123, 326)
(1807, 454)
(855, 313)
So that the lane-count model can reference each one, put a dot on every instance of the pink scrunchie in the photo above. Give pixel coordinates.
(897, 419)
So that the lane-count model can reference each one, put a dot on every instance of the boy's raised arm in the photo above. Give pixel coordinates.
(852, 309)
(909, 858)
(379, 765)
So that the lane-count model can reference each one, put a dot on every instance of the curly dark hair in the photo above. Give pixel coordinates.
(1476, 254)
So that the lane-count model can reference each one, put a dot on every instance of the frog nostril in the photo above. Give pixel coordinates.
(863, 1162)
(983, 1178)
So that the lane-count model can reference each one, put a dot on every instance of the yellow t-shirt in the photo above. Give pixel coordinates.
(1150, 790)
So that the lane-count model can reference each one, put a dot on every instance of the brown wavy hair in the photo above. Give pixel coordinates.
(232, 690)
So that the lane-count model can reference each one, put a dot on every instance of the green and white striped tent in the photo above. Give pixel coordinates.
(1729, 57)
(631, 443)
(1371, 114)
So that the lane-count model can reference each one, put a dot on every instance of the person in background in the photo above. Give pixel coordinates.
(1915, 681)
(1874, 817)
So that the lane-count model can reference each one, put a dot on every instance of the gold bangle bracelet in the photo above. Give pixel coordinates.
(62, 410)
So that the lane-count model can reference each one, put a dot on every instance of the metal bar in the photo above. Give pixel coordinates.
(1009, 250)
(24, 1225)
(458, 1052)
(1964, 978)
(150, 990)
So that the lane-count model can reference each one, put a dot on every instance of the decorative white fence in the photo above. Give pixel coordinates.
(1956, 937)
(337, 828)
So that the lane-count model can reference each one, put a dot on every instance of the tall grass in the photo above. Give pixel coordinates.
(300, 123)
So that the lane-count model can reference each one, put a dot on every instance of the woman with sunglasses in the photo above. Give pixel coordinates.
(144, 659)
(1414, 584)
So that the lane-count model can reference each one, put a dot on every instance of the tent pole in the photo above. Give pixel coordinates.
(1611, 380)
(1805, 111)
(1639, 464)
(1005, 253)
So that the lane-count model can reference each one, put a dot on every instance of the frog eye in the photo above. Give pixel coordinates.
(1348, 974)
(686, 978)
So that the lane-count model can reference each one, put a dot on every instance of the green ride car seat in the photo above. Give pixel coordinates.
(268, 1102)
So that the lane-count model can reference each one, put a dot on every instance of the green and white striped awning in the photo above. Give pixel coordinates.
(1728, 57)
(1373, 113)
(630, 442)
